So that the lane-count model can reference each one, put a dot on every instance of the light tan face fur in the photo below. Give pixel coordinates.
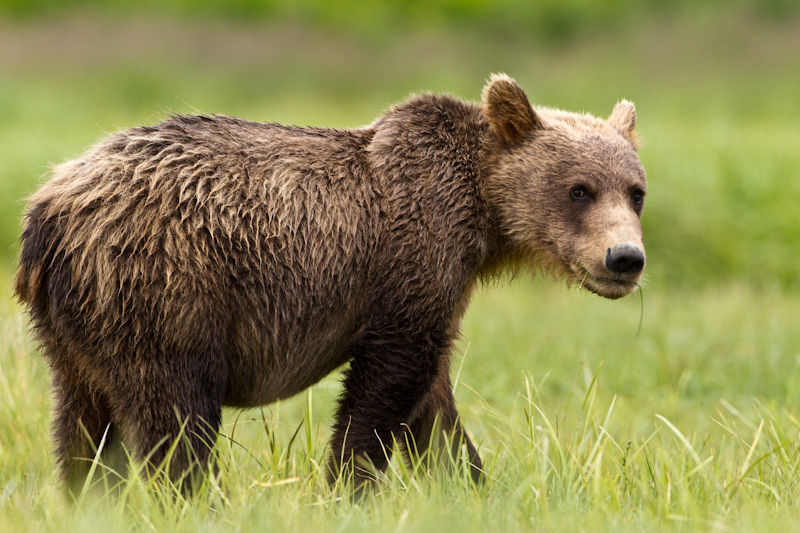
(609, 223)
(570, 189)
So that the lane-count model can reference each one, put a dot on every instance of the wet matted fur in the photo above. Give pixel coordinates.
(210, 261)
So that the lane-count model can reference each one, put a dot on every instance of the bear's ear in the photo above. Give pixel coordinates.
(623, 119)
(507, 109)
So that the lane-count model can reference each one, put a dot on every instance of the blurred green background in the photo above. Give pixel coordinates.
(716, 84)
(717, 88)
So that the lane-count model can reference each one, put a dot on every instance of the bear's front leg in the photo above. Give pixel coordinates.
(436, 429)
(395, 382)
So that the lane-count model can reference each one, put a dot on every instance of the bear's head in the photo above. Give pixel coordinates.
(568, 189)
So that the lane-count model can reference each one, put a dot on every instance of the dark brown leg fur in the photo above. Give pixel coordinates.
(437, 429)
(171, 403)
(83, 417)
(390, 387)
(386, 380)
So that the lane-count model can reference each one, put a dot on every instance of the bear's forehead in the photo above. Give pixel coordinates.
(608, 147)
(579, 122)
(608, 160)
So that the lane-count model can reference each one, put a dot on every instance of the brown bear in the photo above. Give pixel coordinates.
(208, 261)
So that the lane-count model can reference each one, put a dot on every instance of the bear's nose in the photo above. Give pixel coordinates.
(625, 259)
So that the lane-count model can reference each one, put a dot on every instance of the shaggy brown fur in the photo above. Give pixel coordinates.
(210, 261)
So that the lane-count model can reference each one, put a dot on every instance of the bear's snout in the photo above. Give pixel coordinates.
(625, 259)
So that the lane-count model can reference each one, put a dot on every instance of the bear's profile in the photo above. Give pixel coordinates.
(209, 261)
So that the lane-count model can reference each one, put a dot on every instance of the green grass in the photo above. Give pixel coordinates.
(583, 424)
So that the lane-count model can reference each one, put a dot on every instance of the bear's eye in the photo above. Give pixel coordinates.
(579, 192)
(638, 198)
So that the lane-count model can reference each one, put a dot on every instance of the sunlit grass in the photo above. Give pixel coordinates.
(581, 424)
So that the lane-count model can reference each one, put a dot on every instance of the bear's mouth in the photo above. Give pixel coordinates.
(611, 288)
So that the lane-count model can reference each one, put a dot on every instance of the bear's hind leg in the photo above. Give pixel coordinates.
(170, 412)
(82, 423)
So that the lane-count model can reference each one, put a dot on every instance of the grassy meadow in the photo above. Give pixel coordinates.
(677, 408)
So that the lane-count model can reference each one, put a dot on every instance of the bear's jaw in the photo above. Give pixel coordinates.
(611, 288)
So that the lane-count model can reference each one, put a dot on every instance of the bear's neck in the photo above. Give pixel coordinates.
(438, 150)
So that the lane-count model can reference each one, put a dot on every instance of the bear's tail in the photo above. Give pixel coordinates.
(40, 240)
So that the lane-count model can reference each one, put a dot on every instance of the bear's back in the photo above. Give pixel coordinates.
(168, 227)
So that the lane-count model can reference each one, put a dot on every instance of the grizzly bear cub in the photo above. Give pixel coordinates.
(208, 261)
